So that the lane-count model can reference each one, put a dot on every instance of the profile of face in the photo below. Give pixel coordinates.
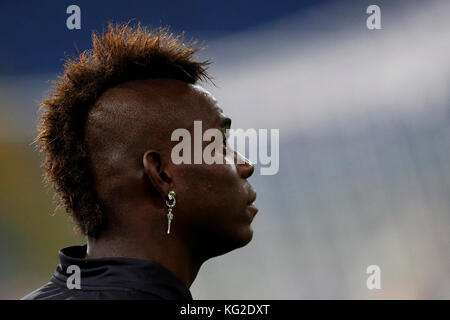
(215, 200)
(214, 210)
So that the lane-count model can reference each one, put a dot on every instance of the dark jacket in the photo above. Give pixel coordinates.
(109, 278)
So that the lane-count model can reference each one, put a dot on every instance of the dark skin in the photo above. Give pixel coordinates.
(128, 134)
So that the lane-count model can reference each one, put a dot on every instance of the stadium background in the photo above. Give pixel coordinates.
(364, 121)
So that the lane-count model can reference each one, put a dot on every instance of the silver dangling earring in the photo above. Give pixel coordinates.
(170, 202)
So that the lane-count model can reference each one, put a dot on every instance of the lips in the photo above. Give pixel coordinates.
(251, 196)
(252, 209)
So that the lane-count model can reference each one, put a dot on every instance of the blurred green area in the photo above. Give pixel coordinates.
(31, 231)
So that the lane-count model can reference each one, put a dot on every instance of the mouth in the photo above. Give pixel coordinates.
(251, 197)
(252, 209)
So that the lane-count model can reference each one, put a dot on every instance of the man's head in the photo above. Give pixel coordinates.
(106, 132)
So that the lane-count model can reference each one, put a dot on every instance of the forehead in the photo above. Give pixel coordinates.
(204, 106)
(171, 103)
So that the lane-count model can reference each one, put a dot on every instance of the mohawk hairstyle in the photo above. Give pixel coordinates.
(122, 53)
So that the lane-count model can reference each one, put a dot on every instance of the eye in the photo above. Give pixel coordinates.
(225, 137)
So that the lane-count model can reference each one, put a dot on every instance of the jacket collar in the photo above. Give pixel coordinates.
(121, 273)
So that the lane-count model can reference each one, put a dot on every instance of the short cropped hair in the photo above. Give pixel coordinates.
(121, 53)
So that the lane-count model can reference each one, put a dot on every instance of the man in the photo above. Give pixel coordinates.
(106, 132)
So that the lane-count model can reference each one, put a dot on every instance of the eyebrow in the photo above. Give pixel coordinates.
(226, 122)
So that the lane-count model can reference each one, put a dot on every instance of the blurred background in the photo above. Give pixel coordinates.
(364, 120)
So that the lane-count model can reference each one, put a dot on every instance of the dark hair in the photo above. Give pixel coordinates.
(121, 53)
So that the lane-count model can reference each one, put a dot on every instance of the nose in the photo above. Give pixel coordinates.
(244, 166)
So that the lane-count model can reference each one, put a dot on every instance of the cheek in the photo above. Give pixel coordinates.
(210, 189)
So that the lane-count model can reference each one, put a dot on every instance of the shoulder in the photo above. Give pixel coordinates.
(52, 291)
(49, 291)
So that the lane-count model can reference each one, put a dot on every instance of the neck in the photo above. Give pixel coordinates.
(168, 250)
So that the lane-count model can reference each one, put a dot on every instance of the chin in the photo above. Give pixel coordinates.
(248, 237)
(242, 238)
(234, 241)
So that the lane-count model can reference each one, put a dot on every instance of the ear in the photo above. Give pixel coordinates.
(156, 171)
